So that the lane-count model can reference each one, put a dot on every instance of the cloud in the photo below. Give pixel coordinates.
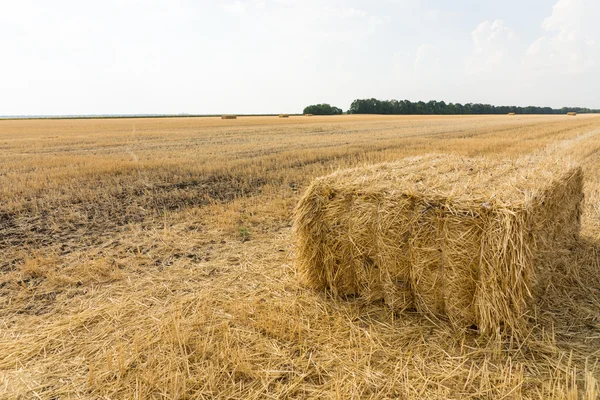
(235, 8)
(493, 47)
(427, 72)
(285, 3)
(490, 33)
(426, 59)
(345, 12)
(569, 45)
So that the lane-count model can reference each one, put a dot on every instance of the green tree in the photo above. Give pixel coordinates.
(322, 109)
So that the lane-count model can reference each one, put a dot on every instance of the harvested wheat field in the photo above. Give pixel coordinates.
(155, 258)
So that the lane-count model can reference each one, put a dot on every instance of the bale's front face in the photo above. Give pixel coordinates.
(393, 258)
(461, 253)
(425, 246)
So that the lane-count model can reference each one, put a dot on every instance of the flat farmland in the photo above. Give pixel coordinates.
(154, 258)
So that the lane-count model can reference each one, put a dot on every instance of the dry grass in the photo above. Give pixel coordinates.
(152, 258)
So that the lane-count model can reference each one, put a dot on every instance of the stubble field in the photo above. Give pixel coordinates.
(153, 258)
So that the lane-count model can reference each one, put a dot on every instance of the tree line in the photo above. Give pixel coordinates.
(406, 107)
(374, 106)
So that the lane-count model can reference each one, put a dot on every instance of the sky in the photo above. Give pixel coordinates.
(277, 56)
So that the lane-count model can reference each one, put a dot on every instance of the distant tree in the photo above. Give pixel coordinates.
(322, 109)
(374, 106)
(336, 110)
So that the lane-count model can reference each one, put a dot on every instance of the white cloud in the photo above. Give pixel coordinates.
(488, 34)
(493, 43)
(285, 3)
(344, 12)
(377, 21)
(570, 43)
(235, 8)
(434, 73)
(426, 60)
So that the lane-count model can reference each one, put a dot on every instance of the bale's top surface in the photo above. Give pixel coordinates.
(454, 179)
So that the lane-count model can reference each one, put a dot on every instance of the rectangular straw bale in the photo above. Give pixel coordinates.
(464, 239)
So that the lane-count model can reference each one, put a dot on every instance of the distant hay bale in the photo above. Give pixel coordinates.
(308, 115)
(458, 238)
(228, 116)
(283, 116)
(572, 113)
(511, 113)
